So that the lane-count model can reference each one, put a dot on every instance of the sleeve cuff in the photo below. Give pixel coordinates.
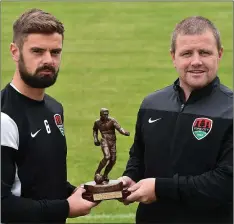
(166, 188)
(70, 189)
(132, 175)
(58, 210)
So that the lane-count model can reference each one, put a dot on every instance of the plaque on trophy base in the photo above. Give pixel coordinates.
(99, 192)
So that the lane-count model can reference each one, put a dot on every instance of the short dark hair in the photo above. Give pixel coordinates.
(35, 21)
(195, 25)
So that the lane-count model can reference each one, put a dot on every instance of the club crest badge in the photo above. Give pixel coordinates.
(59, 123)
(201, 127)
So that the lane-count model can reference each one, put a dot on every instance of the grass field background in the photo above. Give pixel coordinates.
(114, 54)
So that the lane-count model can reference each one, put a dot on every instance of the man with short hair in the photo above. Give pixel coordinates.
(34, 186)
(181, 162)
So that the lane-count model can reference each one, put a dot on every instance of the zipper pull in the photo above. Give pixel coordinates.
(181, 107)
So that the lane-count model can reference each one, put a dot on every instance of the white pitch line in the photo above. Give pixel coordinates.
(109, 216)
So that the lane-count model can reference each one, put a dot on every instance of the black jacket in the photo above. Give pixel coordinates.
(188, 148)
(34, 185)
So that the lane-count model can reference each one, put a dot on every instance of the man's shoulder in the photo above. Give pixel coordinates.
(224, 101)
(226, 91)
(12, 117)
(6, 87)
(222, 97)
(5, 96)
(158, 96)
(52, 102)
(6, 119)
(10, 105)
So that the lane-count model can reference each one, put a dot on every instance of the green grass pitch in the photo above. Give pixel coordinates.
(114, 54)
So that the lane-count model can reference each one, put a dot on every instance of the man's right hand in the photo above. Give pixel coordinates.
(127, 183)
(97, 143)
(79, 206)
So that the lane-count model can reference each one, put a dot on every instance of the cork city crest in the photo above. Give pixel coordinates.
(59, 123)
(201, 127)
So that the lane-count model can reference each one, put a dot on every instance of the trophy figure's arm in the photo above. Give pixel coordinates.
(95, 134)
(120, 129)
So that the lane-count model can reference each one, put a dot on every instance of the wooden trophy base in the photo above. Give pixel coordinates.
(99, 192)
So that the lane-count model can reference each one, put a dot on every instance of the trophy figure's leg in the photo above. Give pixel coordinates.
(106, 157)
(112, 147)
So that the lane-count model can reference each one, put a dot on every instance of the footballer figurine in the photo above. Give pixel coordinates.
(101, 188)
(107, 126)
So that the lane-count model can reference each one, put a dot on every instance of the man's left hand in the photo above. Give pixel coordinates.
(143, 191)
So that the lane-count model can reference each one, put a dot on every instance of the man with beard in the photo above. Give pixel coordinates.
(34, 186)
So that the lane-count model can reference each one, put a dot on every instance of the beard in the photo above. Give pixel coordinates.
(37, 80)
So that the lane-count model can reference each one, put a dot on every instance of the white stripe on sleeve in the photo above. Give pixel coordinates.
(9, 132)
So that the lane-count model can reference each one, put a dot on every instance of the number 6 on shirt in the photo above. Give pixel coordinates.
(47, 126)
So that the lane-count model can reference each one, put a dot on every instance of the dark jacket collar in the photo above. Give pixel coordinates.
(198, 93)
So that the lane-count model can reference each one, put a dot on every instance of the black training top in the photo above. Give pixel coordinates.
(188, 148)
(34, 183)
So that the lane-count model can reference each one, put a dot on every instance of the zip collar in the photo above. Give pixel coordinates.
(196, 94)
